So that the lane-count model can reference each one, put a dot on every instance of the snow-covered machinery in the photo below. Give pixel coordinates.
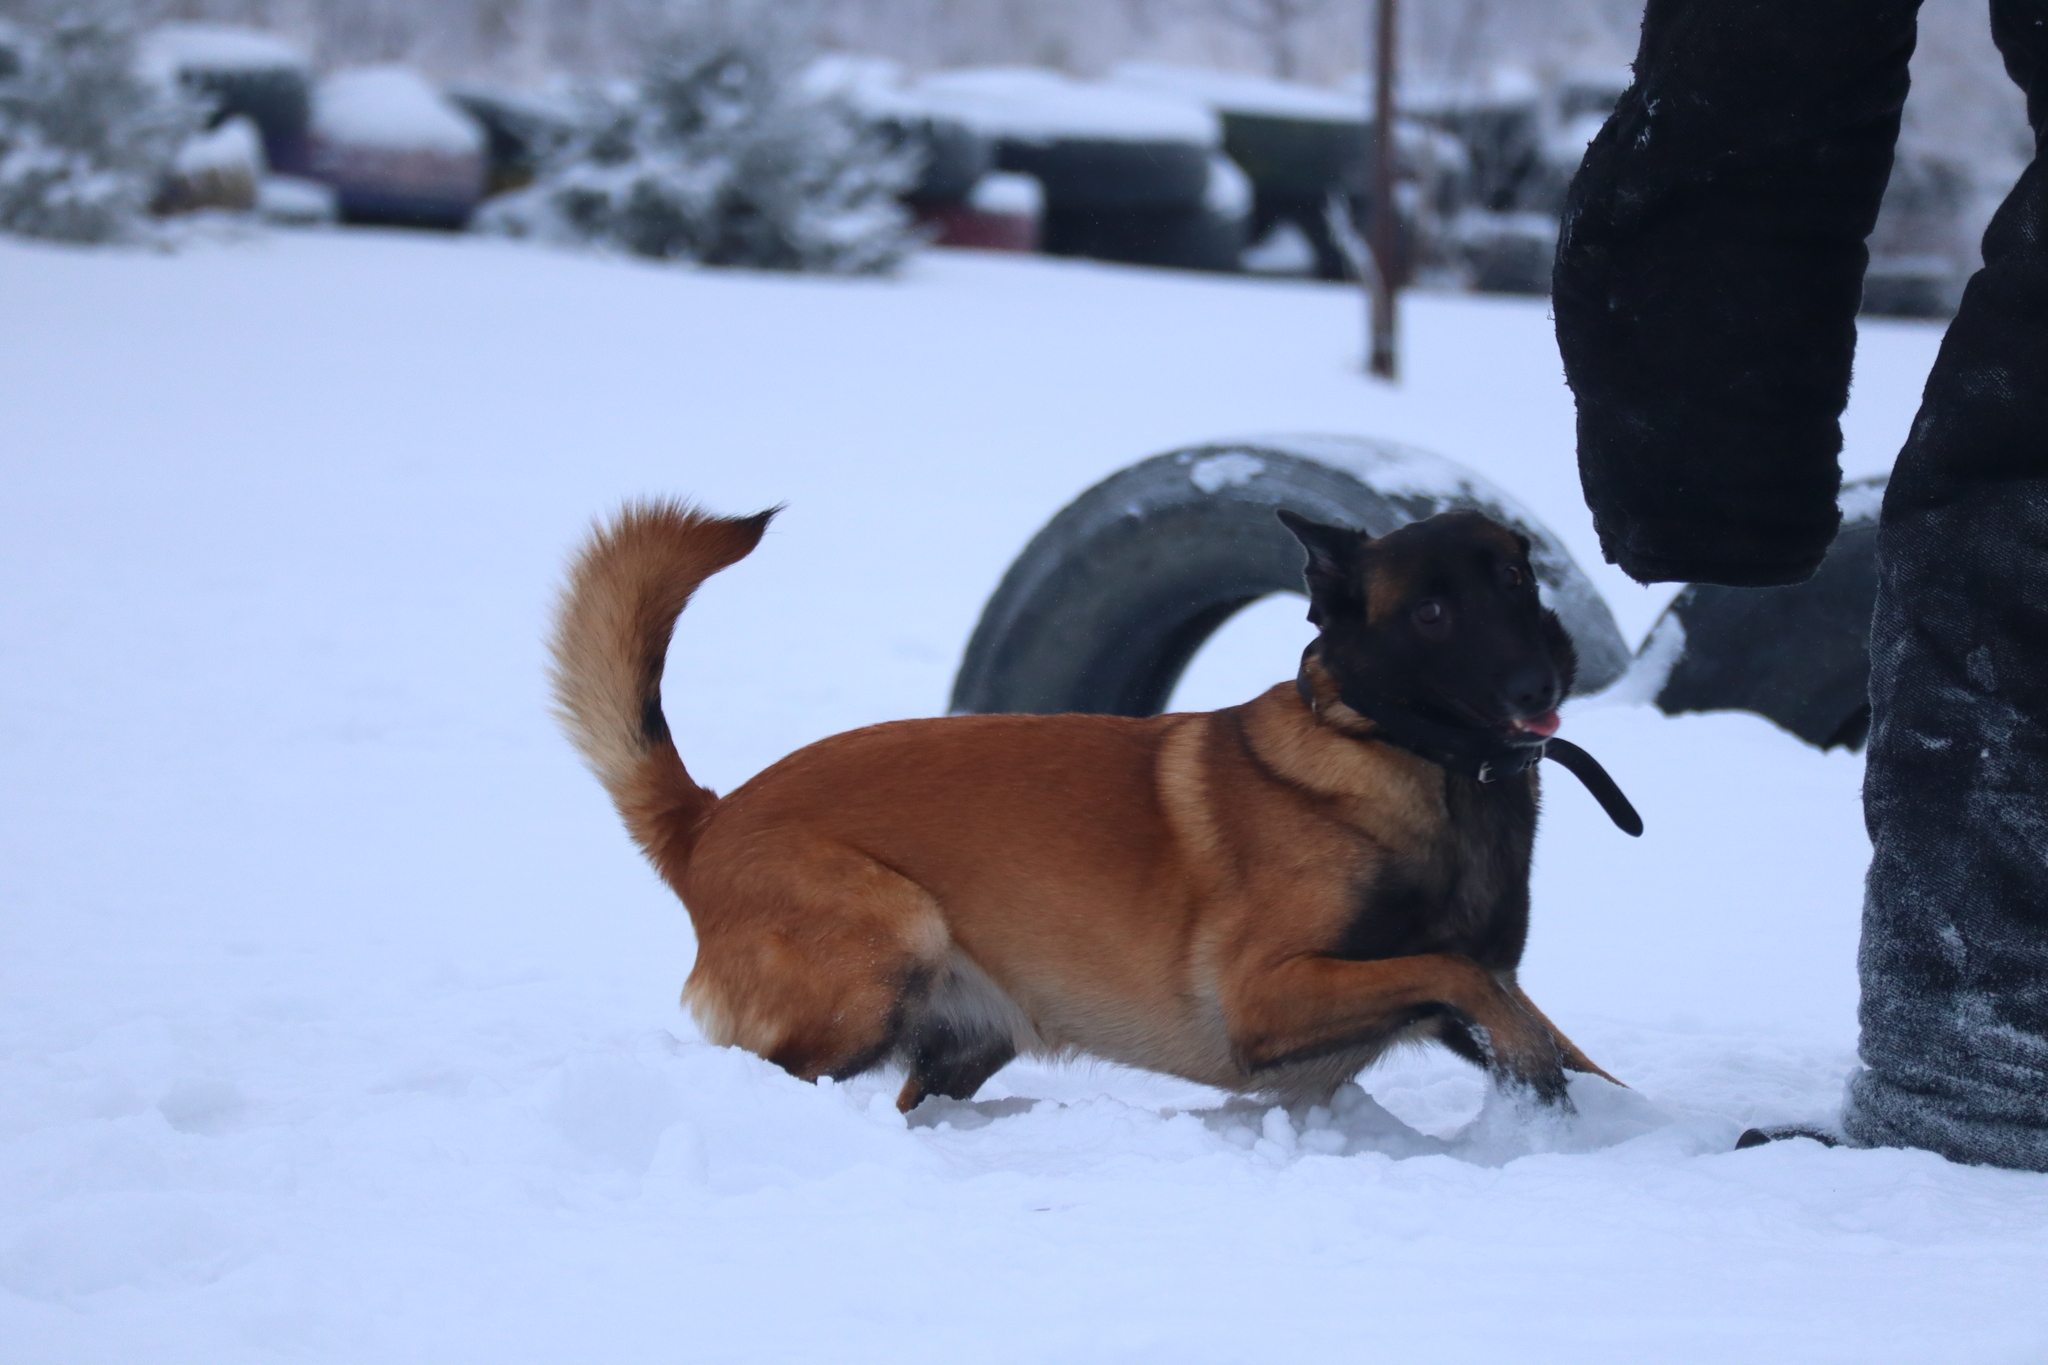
(521, 129)
(242, 73)
(395, 149)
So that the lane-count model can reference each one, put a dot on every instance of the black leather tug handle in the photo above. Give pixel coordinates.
(1587, 769)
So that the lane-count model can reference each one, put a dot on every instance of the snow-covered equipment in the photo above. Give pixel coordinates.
(241, 72)
(220, 169)
(1798, 656)
(720, 154)
(522, 129)
(395, 149)
(1129, 175)
(86, 138)
(1108, 603)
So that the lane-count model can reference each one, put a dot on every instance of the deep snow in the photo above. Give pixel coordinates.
(338, 1018)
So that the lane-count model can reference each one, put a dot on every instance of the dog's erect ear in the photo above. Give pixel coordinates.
(1332, 571)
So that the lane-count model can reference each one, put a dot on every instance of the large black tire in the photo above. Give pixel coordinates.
(1798, 656)
(1110, 601)
(1183, 239)
(1104, 173)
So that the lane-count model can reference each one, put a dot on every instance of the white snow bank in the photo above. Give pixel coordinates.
(1237, 93)
(173, 48)
(294, 201)
(1861, 499)
(234, 147)
(1284, 250)
(1228, 193)
(394, 108)
(1034, 105)
(1008, 193)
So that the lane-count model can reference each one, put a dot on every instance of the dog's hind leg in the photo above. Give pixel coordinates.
(1574, 1059)
(818, 958)
(942, 1062)
(969, 1031)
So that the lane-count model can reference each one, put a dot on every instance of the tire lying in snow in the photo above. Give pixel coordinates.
(1110, 601)
(1798, 656)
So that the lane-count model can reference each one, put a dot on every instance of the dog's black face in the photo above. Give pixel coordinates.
(1440, 617)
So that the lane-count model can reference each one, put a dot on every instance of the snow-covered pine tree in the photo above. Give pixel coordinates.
(85, 139)
(718, 154)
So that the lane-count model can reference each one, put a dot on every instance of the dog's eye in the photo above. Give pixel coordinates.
(1431, 616)
(1512, 576)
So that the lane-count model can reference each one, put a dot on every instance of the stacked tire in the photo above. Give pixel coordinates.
(1126, 175)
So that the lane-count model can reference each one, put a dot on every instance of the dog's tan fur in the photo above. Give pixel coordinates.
(1163, 892)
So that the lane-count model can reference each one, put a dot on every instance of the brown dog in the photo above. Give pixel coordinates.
(1262, 898)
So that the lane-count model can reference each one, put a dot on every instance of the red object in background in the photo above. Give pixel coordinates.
(1001, 213)
(965, 225)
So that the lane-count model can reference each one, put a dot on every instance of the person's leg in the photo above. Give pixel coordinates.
(1708, 272)
(1955, 925)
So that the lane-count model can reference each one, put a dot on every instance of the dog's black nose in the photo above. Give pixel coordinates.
(1532, 691)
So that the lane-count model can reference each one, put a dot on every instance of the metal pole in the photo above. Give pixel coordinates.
(1384, 217)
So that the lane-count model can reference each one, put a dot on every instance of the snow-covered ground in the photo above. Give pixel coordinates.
(338, 1019)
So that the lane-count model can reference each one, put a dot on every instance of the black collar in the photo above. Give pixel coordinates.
(1469, 752)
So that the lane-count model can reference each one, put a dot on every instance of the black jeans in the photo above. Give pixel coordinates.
(1706, 288)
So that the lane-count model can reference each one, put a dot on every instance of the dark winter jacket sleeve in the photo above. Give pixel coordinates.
(1708, 273)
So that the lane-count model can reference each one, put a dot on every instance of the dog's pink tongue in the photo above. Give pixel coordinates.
(1544, 725)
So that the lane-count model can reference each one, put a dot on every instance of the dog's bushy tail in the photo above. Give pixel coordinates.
(625, 590)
